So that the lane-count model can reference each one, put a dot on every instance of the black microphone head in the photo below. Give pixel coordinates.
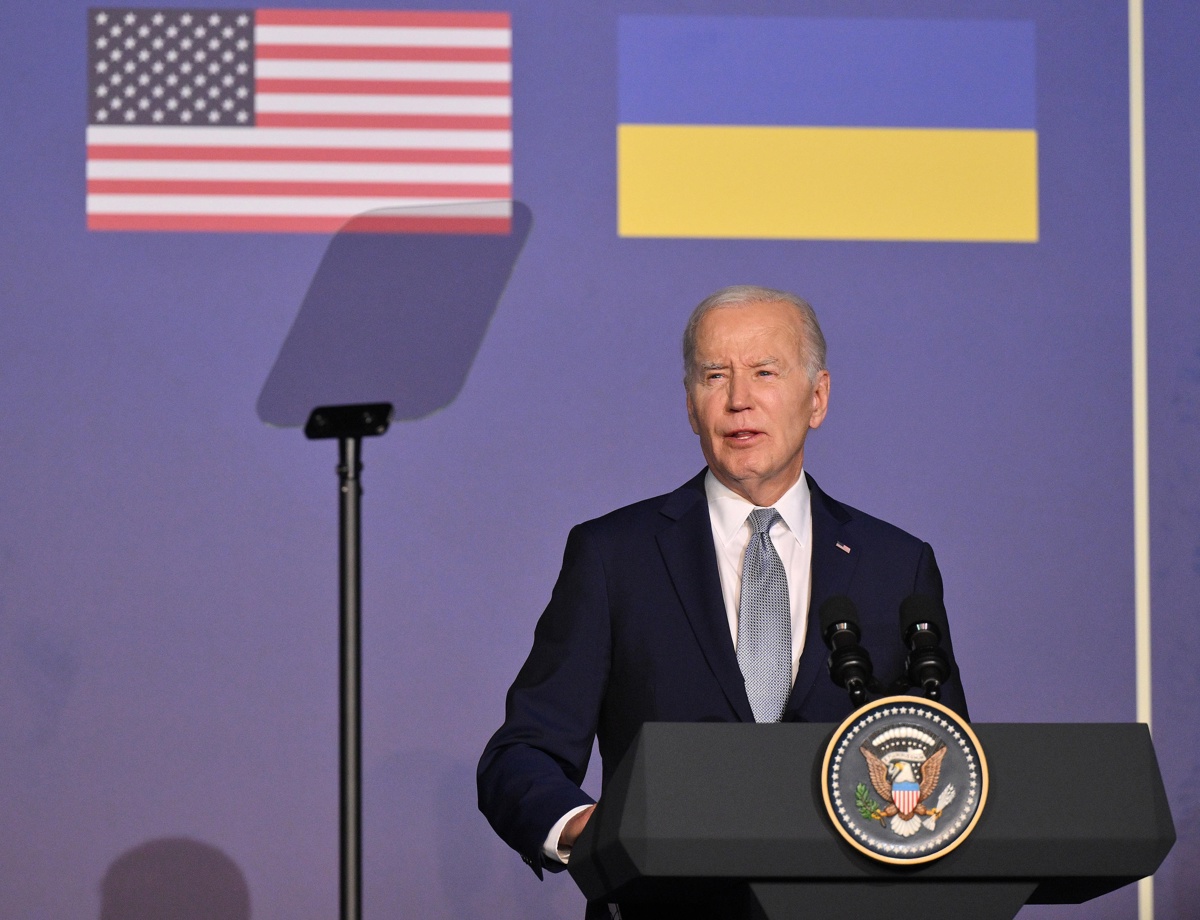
(849, 663)
(838, 609)
(921, 608)
(923, 625)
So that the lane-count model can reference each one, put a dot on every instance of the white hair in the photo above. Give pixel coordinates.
(812, 346)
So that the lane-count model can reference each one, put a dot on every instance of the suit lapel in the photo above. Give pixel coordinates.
(832, 569)
(691, 561)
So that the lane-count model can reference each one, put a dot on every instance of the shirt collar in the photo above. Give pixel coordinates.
(728, 510)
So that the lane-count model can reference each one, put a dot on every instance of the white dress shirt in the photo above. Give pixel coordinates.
(791, 536)
(729, 515)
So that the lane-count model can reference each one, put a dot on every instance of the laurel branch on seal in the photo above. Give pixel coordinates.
(867, 806)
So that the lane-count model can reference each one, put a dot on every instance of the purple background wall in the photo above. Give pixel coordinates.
(167, 562)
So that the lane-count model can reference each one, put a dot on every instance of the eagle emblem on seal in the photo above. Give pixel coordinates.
(904, 780)
(904, 765)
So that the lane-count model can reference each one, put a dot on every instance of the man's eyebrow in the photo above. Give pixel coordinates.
(721, 365)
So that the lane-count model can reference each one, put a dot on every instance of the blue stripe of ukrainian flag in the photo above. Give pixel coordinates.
(790, 128)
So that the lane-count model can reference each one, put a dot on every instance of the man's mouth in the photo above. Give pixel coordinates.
(742, 434)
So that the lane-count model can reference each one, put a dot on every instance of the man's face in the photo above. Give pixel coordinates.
(750, 400)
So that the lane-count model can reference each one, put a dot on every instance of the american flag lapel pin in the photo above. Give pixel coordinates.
(842, 546)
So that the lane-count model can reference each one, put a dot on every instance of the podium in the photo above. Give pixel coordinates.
(727, 820)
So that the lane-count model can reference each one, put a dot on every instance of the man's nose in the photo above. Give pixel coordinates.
(738, 392)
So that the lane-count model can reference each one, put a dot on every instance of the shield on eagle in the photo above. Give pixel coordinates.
(906, 796)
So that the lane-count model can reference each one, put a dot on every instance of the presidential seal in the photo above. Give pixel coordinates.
(904, 780)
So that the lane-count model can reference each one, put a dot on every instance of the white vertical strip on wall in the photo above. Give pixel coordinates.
(1141, 428)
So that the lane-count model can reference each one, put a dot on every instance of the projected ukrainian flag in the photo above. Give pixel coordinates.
(854, 129)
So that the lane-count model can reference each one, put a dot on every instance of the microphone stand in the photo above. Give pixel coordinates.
(350, 424)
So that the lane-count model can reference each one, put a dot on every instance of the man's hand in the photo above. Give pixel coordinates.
(574, 828)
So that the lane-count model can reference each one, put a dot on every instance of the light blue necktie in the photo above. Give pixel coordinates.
(764, 647)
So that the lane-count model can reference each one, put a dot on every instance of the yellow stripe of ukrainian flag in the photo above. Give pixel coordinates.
(827, 183)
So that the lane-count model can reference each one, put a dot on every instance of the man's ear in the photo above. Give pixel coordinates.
(691, 411)
(820, 400)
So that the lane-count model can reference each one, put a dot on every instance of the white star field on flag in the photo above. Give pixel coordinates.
(171, 67)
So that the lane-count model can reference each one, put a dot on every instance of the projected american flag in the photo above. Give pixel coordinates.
(298, 120)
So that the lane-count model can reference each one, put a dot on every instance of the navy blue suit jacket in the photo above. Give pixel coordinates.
(636, 631)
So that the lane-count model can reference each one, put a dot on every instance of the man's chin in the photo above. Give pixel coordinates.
(741, 468)
(740, 479)
(750, 480)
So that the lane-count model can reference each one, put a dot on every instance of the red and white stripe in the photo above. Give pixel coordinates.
(906, 800)
(356, 112)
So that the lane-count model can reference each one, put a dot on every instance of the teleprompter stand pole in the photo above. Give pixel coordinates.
(350, 424)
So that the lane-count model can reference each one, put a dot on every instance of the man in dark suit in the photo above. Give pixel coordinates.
(649, 618)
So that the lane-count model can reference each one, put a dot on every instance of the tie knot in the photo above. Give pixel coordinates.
(762, 519)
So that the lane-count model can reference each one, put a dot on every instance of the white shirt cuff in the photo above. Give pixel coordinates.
(551, 848)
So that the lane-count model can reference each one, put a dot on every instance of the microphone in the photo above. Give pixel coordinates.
(922, 624)
(849, 663)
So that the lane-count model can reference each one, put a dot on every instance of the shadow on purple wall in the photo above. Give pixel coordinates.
(39, 666)
(392, 317)
(174, 878)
